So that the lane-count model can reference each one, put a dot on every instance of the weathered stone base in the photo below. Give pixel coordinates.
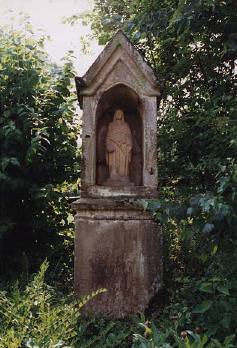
(117, 247)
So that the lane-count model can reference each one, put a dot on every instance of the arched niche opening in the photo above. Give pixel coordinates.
(124, 98)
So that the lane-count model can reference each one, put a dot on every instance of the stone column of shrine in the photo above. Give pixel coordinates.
(118, 246)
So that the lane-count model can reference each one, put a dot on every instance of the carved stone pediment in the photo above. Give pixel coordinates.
(120, 54)
(117, 57)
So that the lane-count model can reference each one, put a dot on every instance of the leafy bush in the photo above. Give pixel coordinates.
(38, 150)
(201, 257)
(192, 47)
(154, 338)
(41, 317)
(37, 316)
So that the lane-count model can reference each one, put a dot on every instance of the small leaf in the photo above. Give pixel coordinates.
(189, 211)
(223, 289)
(226, 321)
(143, 203)
(137, 35)
(154, 205)
(214, 249)
(208, 228)
(203, 307)
(206, 287)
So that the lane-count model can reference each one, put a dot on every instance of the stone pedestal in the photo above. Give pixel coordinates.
(118, 246)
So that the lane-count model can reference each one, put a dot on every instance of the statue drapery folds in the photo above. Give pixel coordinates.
(118, 150)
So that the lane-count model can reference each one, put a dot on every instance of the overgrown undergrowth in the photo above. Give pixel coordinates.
(38, 316)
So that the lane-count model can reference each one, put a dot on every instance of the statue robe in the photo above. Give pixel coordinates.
(119, 146)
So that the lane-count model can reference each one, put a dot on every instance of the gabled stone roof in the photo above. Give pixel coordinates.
(118, 50)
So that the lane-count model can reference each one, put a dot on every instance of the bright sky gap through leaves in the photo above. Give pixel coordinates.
(48, 15)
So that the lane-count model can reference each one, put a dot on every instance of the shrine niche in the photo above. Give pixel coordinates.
(118, 245)
(119, 79)
(120, 99)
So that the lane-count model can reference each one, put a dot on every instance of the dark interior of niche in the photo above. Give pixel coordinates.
(119, 97)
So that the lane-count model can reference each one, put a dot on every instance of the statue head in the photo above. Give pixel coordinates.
(119, 115)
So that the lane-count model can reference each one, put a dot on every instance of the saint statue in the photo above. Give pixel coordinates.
(118, 150)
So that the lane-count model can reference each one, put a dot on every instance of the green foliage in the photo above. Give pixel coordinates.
(154, 338)
(100, 332)
(41, 317)
(201, 255)
(192, 48)
(36, 316)
(197, 115)
(38, 149)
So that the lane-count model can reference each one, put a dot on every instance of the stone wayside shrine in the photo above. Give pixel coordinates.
(118, 246)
